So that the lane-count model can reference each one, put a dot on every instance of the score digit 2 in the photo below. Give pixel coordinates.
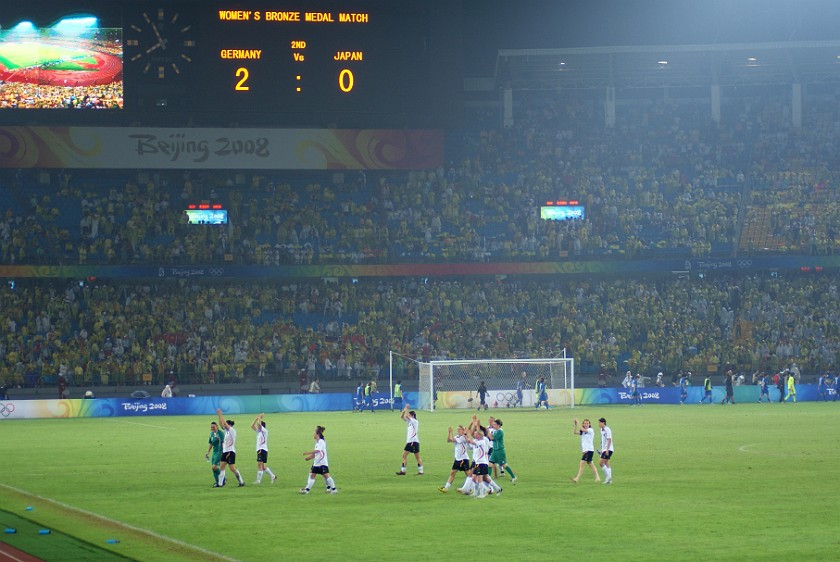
(242, 74)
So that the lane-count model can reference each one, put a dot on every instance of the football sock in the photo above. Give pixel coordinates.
(447, 485)
(493, 486)
(239, 477)
(509, 471)
(402, 469)
(330, 483)
(309, 483)
(216, 475)
(259, 476)
(268, 471)
(420, 468)
(221, 477)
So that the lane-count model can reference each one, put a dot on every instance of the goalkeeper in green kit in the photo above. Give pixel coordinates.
(214, 450)
(498, 456)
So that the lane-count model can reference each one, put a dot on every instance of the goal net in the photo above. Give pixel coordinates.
(509, 383)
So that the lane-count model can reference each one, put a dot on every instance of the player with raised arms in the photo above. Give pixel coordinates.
(462, 459)
(228, 451)
(587, 446)
(412, 440)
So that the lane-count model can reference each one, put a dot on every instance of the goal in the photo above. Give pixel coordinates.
(455, 383)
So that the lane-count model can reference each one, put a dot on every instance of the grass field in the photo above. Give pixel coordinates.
(751, 481)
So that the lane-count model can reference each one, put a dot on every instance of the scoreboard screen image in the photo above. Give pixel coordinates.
(274, 62)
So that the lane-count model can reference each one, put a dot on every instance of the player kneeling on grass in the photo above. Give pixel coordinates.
(587, 446)
(320, 464)
(462, 459)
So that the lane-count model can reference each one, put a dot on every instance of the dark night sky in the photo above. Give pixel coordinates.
(512, 24)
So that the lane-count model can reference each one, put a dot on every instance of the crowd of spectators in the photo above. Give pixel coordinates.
(25, 95)
(662, 182)
(115, 333)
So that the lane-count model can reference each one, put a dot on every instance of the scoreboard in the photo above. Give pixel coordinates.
(305, 63)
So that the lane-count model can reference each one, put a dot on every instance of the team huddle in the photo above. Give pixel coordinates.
(489, 459)
(479, 453)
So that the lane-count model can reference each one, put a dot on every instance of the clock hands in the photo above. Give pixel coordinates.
(161, 41)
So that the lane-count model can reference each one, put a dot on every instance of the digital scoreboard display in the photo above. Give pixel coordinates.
(206, 214)
(357, 63)
(562, 210)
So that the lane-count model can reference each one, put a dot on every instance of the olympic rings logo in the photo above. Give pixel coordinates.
(216, 271)
(504, 397)
(6, 409)
(744, 263)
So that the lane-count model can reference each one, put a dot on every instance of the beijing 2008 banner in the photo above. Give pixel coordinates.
(196, 148)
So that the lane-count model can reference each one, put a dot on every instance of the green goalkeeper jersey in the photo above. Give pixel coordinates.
(499, 440)
(217, 438)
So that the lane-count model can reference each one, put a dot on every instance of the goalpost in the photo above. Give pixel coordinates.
(455, 383)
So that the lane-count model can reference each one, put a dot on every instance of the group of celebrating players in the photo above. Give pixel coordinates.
(485, 443)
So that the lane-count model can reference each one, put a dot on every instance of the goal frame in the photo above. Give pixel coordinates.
(426, 385)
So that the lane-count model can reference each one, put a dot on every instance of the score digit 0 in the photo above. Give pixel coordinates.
(242, 74)
(346, 80)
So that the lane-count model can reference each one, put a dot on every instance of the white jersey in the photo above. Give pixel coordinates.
(262, 438)
(320, 458)
(490, 432)
(412, 426)
(461, 448)
(480, 450)
(587, 440)
(229, 446)
(606, 435)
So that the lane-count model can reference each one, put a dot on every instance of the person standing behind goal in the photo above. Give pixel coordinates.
(412, 440)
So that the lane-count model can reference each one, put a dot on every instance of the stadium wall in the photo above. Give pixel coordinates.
(233, 405)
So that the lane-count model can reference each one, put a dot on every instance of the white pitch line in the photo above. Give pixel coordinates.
(144, 424)
(121, 524)
(743, 448)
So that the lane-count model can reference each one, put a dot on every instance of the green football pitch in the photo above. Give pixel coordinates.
(23, 55)
(747, 482)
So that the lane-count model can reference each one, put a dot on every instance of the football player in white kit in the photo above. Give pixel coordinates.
(320, 463)
(258, 425)
(587, 447)
(412, 440)
(481, 472)
(462, 459)
(606, 450)
(228, 451)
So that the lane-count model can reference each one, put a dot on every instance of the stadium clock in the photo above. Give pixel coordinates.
(161, 42)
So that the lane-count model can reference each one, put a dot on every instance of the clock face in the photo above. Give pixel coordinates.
(160, 42)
